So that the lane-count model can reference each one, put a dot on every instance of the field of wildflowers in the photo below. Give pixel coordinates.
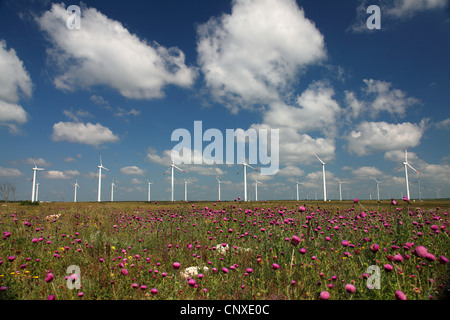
(225, 251)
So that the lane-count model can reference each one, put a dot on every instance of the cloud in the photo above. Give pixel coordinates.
(443, 124)
(132, 170)
(314, 180)
(291, 171)
(392, 11)
(77, 115)
(393, 101)
(60, 175)
(367, 172)
(122, 112)
(408, 8)
(12, 112)
(9, 172)
(153, 156)
(99, 100)
(136, 181)
(378, 97)
(359, 24)
(383, 136)
(249, 57)
(316, 110)
(437, 173)
(40, 162)
(77, 132)
(14, 82)
(205, 170)
(84, 57)
(354, 106)
(295, 147)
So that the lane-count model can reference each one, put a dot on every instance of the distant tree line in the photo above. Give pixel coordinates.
(7, 191)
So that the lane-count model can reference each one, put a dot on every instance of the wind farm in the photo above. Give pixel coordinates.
(231, 191)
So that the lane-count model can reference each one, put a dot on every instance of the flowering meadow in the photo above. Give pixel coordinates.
(271, 250)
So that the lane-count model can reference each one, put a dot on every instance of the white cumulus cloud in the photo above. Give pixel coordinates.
(104, 52)
(77, 132)
(250, 56)
(132, 170)
(14, 82)
(383, 136)
(9, 172)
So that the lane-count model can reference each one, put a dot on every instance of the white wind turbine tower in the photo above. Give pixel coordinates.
(219, 182)
(378, 188)
(149, 183)
(185, 189)
(37, 191)
(172, 166)
(406, 164)
(75, 192)
(100, 167)
(112, 190)
(256, 189)
(33, 192)
(418, 184)
(340, 188)
(298, 183)
(324, 180)
(245, 165)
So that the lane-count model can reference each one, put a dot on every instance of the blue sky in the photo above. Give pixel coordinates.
(136, 71)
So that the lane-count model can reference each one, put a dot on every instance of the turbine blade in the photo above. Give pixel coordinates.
(179, 168)
(319, 159)
(167, 170)
(412, 167)
(252, 167)
(399, 168)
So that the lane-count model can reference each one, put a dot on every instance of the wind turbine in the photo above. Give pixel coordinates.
(100, 167)
(75, 192)
(340, 188)
(219, 182)
(378, 188)
(297, 183)
(438, 192)
(324, 181)
(112, 190)
(256, 189)
(245, 165)
(185, 189)
(149, 183)
(33, 192)
(418, 184)
(406, 164)
(172, 166)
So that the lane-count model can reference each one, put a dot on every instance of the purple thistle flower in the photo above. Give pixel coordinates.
(350, 288)
(324, 295)
(400, 295)
(295, 240)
